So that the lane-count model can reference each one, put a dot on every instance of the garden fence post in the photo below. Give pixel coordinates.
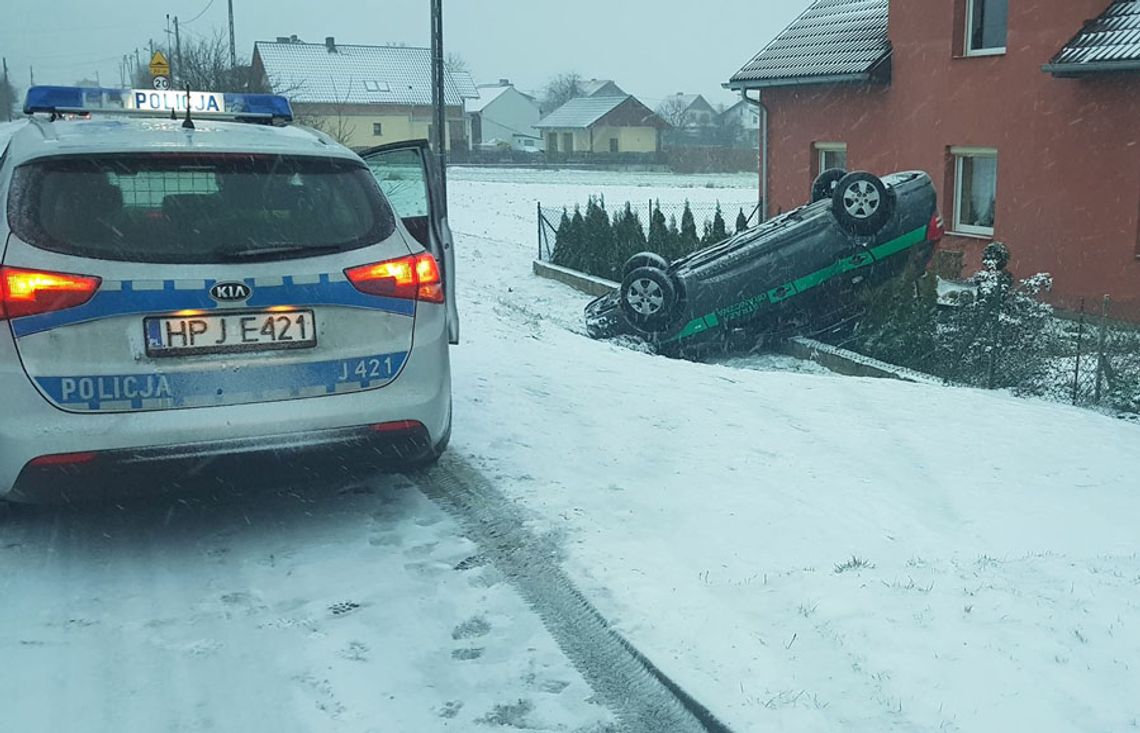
(539, 230)
(1080, 339)
(1100, 341)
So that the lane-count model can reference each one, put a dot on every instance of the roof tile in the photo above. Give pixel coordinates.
(1113, 38)
(832, 38)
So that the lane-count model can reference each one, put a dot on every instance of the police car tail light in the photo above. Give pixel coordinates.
(63, 459)
(31, 292)
(415, 278)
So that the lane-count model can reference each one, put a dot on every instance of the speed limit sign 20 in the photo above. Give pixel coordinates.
(162, 83)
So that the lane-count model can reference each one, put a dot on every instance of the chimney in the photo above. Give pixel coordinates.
(330, 44)
(293, 39)
(504, 82)
(282, 39)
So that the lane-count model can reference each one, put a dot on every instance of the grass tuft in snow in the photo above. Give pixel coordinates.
(855, 563)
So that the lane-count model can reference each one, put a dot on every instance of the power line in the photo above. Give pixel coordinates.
(199, 15)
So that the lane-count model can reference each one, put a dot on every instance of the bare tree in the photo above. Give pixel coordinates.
(560, 90)
(456, 63)
(674, 111)
(332, 119)
(205, 66)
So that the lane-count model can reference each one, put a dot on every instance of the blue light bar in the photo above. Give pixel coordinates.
(259, 105)
(74, 99)
(60, 100)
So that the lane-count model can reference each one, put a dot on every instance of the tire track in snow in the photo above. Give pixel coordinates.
(643, 698)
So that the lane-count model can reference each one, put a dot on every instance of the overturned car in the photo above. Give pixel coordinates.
(796, 274)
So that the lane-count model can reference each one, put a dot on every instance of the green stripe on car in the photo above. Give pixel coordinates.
(789, 290)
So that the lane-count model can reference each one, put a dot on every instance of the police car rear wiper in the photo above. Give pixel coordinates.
(300, 250)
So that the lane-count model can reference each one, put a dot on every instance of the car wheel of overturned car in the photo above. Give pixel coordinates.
(824, 186)
(862, 203)
(644, 259)
(648, 298)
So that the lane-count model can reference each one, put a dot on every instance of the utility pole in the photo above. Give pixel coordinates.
(31, 76)
(177, 52)
(233, 47)
(439, 99)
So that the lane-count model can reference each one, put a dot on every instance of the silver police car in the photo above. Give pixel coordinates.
(178, 296)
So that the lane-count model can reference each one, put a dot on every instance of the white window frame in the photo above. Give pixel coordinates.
(967, 49)
(822, 149)
(960, 154)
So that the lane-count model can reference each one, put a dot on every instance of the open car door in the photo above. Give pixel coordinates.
(406, 172)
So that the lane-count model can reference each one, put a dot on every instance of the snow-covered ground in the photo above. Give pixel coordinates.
(800, 551)
(806, 551)
(316, 607)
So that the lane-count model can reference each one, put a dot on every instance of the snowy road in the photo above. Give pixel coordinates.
(354, 607)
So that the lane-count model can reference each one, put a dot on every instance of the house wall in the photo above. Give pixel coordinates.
(630, 139)
(1068, 190)
(355, 122)
(509, 115)
(581, 139)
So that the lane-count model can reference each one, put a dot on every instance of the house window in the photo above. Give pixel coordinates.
(372, 85)
(528, 143)
(986, 25)
(568, 142)
(831, 155)
(552, 142)
(975, 190)
(615, 146)
(377, 129)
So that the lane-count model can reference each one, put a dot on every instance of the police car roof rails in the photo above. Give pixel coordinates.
(58, 101)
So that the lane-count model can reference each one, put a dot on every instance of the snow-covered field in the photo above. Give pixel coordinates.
(800, 551)
(806, 551)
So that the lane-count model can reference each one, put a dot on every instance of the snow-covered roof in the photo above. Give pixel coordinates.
(487, 95)
(1110, 42)
(354, 74)
(602, 87)
(832, 41)
(684, 100)
(581, 112)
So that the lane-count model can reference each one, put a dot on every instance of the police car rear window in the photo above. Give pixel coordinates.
(197, 208)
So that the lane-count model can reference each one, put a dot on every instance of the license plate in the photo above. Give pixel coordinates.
(230, 332)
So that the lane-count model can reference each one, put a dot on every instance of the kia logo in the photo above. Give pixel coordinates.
(230, 292)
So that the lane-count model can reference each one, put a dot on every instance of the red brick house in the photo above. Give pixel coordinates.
(1027, 115)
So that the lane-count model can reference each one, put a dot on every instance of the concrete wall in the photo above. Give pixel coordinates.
(1068, 191)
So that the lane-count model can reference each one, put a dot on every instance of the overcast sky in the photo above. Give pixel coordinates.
(650, 47)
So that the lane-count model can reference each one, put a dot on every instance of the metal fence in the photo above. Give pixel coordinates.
(1099, 358)
(550, 216)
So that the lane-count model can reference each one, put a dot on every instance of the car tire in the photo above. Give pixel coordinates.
(648, 298)
(644, 259)
(862, 203)
(823, 188)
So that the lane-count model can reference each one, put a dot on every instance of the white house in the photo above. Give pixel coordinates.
(746, 118)
(503, 116)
